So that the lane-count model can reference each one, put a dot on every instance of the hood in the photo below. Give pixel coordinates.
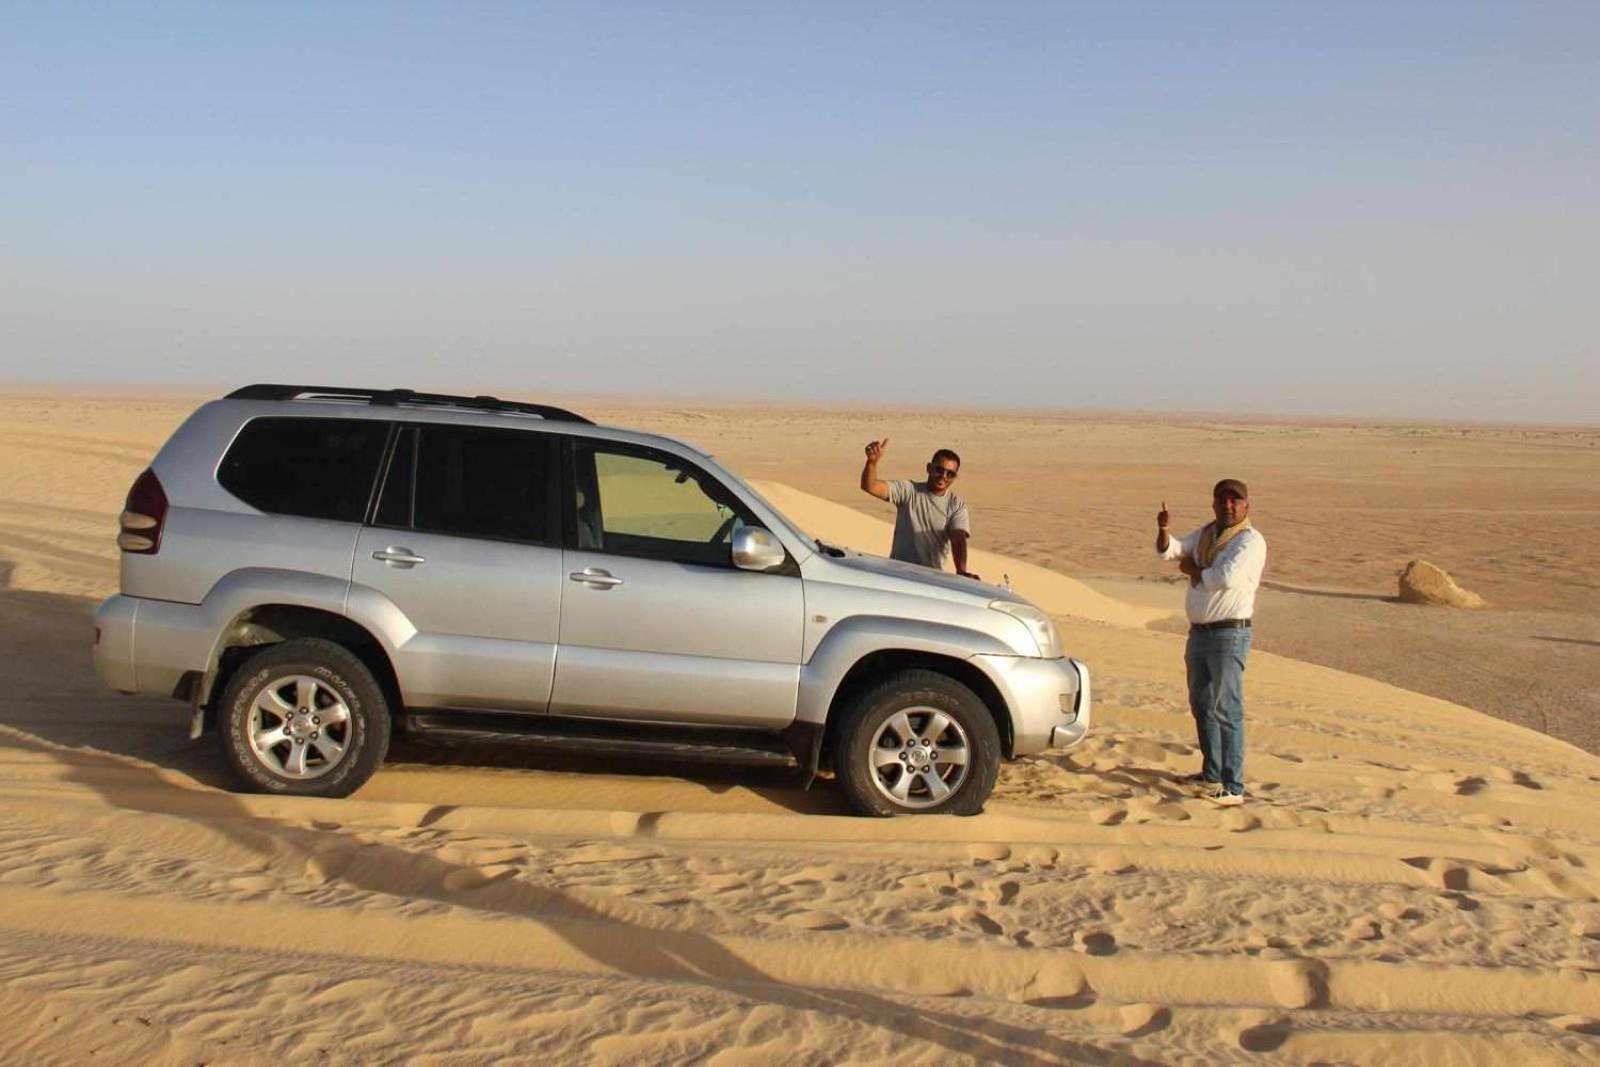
(879, 572)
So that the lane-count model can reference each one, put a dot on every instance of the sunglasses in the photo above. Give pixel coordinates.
(936, 471)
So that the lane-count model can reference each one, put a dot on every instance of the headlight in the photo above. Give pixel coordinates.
(1040, 625)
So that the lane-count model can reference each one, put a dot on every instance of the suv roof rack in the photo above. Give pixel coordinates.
(395, 397)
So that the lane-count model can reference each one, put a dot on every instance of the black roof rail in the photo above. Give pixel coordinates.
(394, 397)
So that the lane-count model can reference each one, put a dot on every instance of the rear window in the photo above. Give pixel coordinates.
(316, 468)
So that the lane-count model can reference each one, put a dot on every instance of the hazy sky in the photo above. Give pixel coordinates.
(1350, 207)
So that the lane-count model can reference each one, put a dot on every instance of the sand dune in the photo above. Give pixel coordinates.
(1412, 882)
(1055, 593)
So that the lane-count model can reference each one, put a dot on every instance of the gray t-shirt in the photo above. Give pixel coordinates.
(923, 521)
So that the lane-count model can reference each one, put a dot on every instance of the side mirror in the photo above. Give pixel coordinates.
(755, 549)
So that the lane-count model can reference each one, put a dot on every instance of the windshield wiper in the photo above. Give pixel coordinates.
(829, 550)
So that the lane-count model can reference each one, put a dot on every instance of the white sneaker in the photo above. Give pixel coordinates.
(1224, 799)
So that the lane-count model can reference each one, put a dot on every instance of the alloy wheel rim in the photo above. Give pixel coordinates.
(300, 727)
(919, 757)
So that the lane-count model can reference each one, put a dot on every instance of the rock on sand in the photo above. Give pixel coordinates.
(1423, 583)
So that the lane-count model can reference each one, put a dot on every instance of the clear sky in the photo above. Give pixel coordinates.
(1368, 208)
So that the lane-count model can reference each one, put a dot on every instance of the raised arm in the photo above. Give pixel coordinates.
(870, 482)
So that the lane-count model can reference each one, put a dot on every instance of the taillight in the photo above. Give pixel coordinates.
(143, 515)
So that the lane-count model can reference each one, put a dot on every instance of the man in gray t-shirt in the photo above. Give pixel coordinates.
(929, 518)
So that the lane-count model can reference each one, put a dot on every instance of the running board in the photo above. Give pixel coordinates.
(708, 744)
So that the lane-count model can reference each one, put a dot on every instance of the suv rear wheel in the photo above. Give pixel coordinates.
(918, 742)
(304, 718)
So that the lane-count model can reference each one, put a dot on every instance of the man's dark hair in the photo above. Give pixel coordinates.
(945, 453)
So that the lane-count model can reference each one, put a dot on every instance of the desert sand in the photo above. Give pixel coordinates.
(1412, 881)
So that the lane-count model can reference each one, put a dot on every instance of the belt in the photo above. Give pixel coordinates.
(1225, 624)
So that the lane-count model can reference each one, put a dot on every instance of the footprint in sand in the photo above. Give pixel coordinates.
(1239, 822)
(1096, 942)
(1394, 909)
(1169, 811)
(1438, 868)
(981, 922)
(1008, 892)
(816, 920)
(1147, 751)
(1113, 862)
(1266, 1036)
(1108, 816)
(1137, 1020)
(1514, 777)
(1458, 785)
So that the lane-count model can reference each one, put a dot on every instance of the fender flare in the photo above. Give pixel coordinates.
(242, 591)
(854, 639)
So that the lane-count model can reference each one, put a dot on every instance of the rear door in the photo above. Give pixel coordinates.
(465, 543)
(656, 622)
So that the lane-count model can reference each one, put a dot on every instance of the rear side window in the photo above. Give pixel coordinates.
(483, 483)
(316, 468)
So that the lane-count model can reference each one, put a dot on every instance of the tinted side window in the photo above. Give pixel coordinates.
(317, 468)
(482, 483)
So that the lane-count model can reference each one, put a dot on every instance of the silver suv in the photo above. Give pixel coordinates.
(311, 568)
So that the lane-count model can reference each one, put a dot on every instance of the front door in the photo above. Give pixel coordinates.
(656, 622)
(463, 545)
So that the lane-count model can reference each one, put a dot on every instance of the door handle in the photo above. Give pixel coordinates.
(595, 576)
(399, 557)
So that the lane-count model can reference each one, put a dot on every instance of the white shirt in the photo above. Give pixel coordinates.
(1227, 588)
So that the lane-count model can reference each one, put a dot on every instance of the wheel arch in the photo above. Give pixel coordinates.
(265, 624)
(877, 665)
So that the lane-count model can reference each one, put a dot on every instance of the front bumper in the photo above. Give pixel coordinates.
(1050, 700)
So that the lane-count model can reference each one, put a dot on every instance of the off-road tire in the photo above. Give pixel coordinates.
(919, 693)
(339, 674)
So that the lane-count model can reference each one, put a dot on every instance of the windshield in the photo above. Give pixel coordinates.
(777, 514)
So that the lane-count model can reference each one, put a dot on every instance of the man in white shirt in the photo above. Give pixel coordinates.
(1223, 561)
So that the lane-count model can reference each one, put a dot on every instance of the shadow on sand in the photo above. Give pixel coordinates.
(1302, 590)
(1565, 640)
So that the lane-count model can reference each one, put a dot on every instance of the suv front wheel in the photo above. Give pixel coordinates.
(304, 718)
(918, 742)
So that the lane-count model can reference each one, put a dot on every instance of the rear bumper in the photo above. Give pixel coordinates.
(1050, 700)
(147, 646)
(114, 624)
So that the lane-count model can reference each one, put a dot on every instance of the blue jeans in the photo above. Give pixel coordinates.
(1215, 659)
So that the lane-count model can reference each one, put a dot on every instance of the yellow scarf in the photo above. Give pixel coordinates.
(1211, 542)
